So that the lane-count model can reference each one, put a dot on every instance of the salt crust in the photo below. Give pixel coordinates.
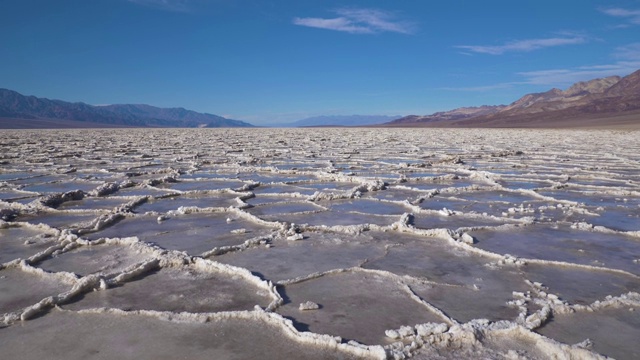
(449, 334)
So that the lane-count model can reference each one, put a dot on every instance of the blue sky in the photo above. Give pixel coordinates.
(282, 60)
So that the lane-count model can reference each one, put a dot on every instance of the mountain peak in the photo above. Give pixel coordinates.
(595, 86)
(627, 86)
(585, 102)
(455, 114)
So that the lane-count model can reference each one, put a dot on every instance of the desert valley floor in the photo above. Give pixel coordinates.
(319, 244)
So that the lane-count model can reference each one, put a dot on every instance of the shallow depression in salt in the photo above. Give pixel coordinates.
(320, 243)
(178, 290)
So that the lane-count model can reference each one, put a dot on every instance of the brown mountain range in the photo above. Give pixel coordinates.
(611, 101)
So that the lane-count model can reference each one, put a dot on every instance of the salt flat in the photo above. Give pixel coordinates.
(320, 243)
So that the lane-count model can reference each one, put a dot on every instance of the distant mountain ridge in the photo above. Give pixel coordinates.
(455, 114)
(604, 98)
(17, 106)
(340, 120)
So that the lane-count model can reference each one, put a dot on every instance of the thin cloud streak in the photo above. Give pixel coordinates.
(564, 77)
(628, 52)
(628, 61)
(523, 45)
(359, 21)
(167, 5)
(633, 16)
(483, 88)
(337, 24)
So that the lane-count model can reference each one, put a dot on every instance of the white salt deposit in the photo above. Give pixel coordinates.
(323, 243)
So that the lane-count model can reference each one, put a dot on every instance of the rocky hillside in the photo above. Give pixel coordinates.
(456, 114)
(599, 98)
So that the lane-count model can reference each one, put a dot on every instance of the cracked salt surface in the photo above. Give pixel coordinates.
(323, 243)
(193, 233)
(22, 243)
(597, 327)
(178, 290)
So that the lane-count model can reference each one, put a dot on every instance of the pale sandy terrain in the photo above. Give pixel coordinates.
(319, 243)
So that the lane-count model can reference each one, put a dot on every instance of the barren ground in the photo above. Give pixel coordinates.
(319, 243)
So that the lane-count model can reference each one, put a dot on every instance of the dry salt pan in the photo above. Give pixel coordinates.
(462, 246)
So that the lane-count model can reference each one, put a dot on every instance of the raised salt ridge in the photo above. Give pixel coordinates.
(322, 243)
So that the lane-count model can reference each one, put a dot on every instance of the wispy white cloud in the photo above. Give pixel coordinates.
(628, 52)
(359, 21)
(632, 16)
(523, 45)
(627, 61)
(484, 88)
(168, 5)
(338, 24)
(565, 77)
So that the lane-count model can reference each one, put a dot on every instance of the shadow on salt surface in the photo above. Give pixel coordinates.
(490, 202)
(464, 303)
(207, 175)
(374, 207)
(580, 286)
(606, 184)
(178, 290)
(355, 306)
(17, 175)
(313, 165)
(317, 253)
(40, 179)
(614, 332)
(261, 200)
(439, 202)
(193, 233)
(393, 194)
(329, 185)
(129, 336)
(420, 173)
(493, 347)
(267, 178)
(89, 174)
(438, 221)
(438, 185)
(513, 346)
(517, 183)
(375, 175)
(59, 220)
(333, 218)
(23, 201)
(141, 191)
(617, 218)
(593, 199)
(10, 194)
(283, 208)
(19, 289)
(203, 185)
(20, 243)
(163, 205)
(92, 203)
(616, 251)
(60, 187)
(86, 260)
(469, 290)
(282, 189)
